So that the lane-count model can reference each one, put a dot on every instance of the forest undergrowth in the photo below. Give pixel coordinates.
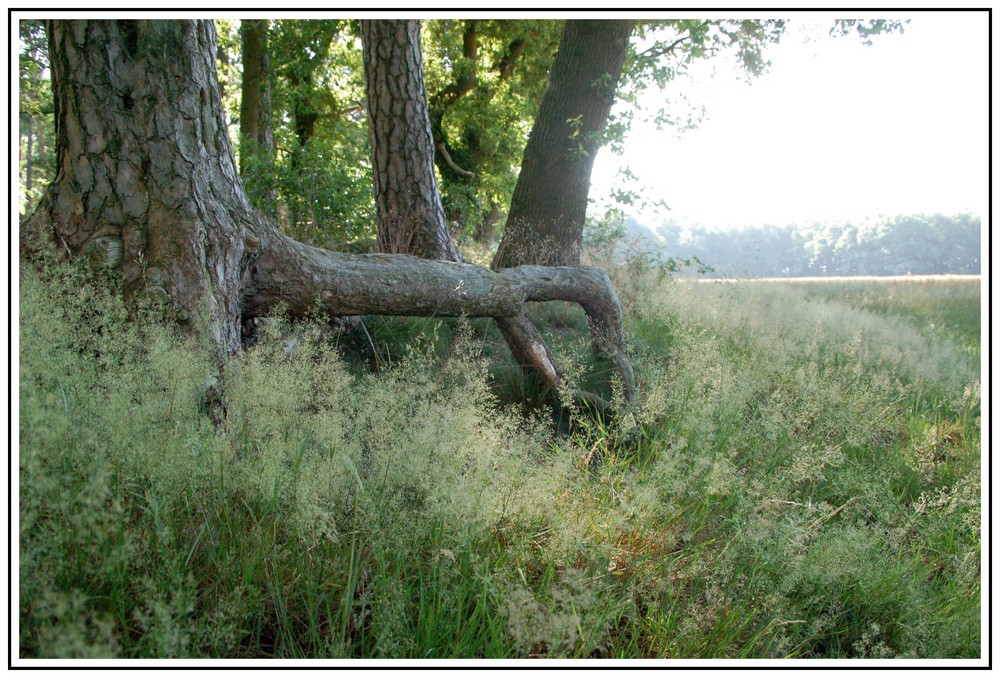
(800, 479)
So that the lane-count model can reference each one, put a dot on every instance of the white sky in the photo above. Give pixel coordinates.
(834, 130)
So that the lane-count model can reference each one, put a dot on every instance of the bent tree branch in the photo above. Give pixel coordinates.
(303, 280)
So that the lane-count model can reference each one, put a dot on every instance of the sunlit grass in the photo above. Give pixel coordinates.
(799, 479)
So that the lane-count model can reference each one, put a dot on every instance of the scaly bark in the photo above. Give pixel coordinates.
(145, 174)
(410, 215)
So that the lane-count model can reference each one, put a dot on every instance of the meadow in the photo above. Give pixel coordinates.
(800, 479)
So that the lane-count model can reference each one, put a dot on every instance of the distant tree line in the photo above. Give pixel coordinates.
(900, 245)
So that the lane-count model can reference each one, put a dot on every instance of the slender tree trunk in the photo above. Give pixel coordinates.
(42, 158)
(304, 117)
(147, 184)
(30, 151)
(410, 215)
(547, 213)
(256, 135)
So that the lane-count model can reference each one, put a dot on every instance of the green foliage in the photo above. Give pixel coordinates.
(323, 162)
(230, 72)
(327, 190)
(321, 171)
(36, 114)
(866, 28)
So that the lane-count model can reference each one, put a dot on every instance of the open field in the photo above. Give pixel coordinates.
(947, 303)
(801, 479)
(837, 280)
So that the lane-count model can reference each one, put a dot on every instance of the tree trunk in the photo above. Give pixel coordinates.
(256, 135)
(145, 178)
(42, 163)
(547, 213)
(30, 134)
(410, 215)
(147, 183)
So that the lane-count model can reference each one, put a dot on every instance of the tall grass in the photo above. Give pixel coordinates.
(801, 479)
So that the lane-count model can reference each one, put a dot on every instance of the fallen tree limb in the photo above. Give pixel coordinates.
(304, 280)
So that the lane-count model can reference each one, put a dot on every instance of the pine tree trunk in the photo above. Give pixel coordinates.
(145, 178)
(410, 215)
(549, 206)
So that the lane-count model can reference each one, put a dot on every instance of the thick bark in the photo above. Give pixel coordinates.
(147, 183)
(145, 175)
(256, 134)
(410, 215)
(545, 222)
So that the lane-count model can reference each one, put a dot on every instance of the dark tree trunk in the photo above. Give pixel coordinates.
(42, 163)
(256, 135)
(545, 222)
(147, 183)
(410, 215)
(304, 117)
(145, 178)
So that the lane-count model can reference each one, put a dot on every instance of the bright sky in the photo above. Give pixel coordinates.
(833, 130)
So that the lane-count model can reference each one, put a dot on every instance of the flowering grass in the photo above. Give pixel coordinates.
(801, 478)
